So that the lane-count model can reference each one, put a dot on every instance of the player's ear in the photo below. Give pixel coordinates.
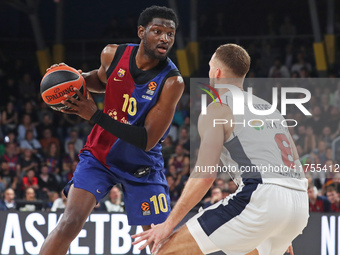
(141, 32)
(218, 73)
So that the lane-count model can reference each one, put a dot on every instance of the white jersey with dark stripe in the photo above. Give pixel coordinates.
(259, 150)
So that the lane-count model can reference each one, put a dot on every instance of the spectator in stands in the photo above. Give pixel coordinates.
(316, 121)
(180, 115)
(9, 118)
(174, 191)
(8, 203)
(216, 195)
(288, 58)
(11, 88)
(333, 120)
(30, 202)
(333, 197)
(27, 88)
(114, 203)
(304, 73)
(47, 140)
(301, 132)
(11, 156)
(52, 161)
(29, 109)
(167, 150)
(325, 106)
(30, 181)
(8, 177)
(317, 203)
(180, 160)
(59, 203)
(26, 163)
(310, 140)
(184, 140)
(232, 187)
(321, 152)
(301, 63)
(278, 70)
(69, 158)
(53, 195)
(11, 138)
(46, 124)
(32, 144)
(67, 176)
(26, 125)
(3, 185)
(73, 137)
(47, 182)
(336, 134)
(219, 182)
(326, 136)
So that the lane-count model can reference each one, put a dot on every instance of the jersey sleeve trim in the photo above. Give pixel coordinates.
(173, 72)
(118, 55)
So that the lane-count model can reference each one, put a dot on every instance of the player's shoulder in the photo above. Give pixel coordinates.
(108, 54)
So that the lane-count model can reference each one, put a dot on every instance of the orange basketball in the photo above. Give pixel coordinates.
(58, 82)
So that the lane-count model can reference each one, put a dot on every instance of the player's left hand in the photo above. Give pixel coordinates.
(156, 234)
(85, 107)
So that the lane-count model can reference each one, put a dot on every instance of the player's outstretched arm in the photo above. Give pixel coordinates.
(212, 139)
(96, 79)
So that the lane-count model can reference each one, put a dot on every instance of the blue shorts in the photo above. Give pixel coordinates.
(146, 199)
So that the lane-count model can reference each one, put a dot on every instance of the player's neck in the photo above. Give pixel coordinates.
(229, 80)
(143, 61)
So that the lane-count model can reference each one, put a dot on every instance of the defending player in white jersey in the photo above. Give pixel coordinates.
(269, 209)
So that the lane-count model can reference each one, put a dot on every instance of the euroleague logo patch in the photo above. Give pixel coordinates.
(145, 209)
(151, 88)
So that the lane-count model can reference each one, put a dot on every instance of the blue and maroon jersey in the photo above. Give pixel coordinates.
(130, 94)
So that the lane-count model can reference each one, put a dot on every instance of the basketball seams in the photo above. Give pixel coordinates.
(60, 84)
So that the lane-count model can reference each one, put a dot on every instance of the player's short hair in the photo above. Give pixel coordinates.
(157, 12)
(234, 57)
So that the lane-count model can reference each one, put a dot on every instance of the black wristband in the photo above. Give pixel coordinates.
(134, 135)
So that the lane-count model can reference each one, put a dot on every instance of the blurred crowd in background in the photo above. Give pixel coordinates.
(39, 147)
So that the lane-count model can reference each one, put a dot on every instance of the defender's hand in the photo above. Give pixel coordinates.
(156, 234)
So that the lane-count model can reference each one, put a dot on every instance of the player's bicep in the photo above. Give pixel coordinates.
(160, 116)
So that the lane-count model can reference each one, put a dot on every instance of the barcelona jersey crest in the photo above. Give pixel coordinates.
(121, 72)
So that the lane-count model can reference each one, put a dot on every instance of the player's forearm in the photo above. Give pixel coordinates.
(193, 192)
(134, 135)
(93, 83)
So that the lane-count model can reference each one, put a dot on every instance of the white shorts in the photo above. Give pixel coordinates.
(263, 216)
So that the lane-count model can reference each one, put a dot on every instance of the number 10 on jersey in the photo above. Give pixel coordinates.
(131, 104)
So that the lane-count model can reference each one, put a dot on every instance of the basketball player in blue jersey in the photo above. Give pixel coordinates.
(268, 210)
(142, 88)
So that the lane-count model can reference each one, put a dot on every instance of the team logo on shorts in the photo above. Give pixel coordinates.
(151, 88)
(121, 72)
(146, 209)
